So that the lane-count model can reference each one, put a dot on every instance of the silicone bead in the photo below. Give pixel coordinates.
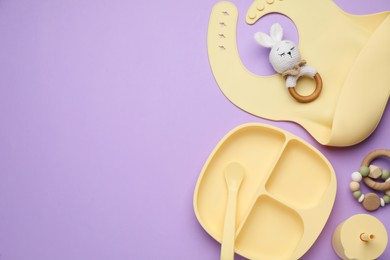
(385, 174)
(356, 176)
(357, 194)
(388, 193)
(386, 198)
(361, 198)
(354, 186)
(382, 203)
(364, 171)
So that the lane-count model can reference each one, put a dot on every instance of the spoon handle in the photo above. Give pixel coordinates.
(227, 249)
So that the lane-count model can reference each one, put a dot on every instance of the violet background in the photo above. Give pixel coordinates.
(108, 112)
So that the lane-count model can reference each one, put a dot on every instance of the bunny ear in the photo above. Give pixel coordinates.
(264, 40)
(276, 32)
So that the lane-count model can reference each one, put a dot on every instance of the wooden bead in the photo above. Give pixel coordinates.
(356, 176)
(354, 186)
(371, 202)
(364, 171)
(375, 172)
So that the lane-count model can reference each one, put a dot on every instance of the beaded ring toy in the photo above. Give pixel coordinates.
(367, 173)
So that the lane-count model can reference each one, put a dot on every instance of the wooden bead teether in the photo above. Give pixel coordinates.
(369, 173)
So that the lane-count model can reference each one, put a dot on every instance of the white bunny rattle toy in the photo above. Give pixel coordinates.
(286, 59)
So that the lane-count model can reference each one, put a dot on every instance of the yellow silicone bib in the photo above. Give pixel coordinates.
(351, 52)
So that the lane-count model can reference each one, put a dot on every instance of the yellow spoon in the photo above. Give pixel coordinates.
(234, 173)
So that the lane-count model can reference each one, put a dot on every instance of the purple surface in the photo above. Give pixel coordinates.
(109, 110)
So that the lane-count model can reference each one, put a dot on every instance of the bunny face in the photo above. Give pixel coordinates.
(284, 55)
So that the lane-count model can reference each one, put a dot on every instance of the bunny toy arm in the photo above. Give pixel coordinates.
(291, 81)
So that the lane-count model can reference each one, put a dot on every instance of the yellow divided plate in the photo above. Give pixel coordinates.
(284, 200)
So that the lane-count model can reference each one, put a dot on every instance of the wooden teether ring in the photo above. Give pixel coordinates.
(380, 186)
(312, 96)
